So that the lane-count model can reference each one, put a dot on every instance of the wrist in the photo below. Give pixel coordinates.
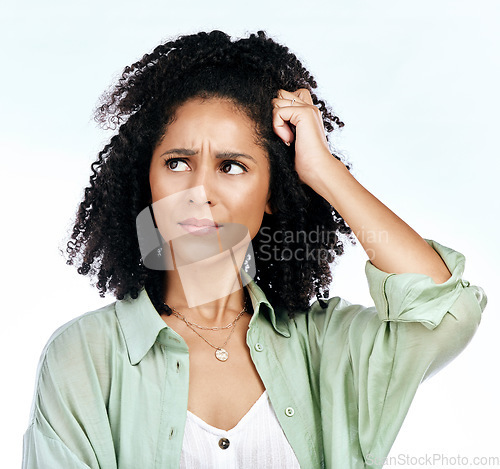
(323, 180)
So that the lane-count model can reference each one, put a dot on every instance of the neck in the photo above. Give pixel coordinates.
(204, 283)
(211, 299)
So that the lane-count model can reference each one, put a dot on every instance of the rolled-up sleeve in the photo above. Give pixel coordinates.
(371, 360)
(416, 297)
(418, 327)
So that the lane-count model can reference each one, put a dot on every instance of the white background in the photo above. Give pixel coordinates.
(416, 84)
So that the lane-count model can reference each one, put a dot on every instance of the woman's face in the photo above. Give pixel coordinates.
(209, 153)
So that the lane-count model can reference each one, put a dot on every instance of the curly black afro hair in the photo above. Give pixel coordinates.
(249, 72)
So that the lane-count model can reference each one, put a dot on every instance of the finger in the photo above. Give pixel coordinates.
(292, 101)
(305, 95)
(301, 95)
(287, 118)
(281, 127)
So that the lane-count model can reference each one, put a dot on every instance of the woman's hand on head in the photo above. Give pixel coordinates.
(295, 110)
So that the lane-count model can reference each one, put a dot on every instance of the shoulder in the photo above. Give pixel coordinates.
(96, 323)
(74, 364)
(336, 317)
(88, 336)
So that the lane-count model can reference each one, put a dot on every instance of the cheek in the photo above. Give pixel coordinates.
(153, 182)
(159, 187)
(248, 208)
(250, 199)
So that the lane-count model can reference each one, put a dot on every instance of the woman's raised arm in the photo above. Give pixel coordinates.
(391, 245)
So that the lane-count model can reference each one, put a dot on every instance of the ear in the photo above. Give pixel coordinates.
(268, 207)
(268, 203)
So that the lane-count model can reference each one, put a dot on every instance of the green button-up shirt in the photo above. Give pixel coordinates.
(112, 385)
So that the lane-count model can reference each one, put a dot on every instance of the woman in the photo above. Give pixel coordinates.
(213, 215)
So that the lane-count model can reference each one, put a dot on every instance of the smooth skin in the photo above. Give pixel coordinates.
(212, 144)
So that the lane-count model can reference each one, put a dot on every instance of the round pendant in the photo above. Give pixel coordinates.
(221, 354)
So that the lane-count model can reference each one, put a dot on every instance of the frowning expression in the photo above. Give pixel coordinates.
(211, 168)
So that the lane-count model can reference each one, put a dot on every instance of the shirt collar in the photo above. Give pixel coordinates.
(260, 302)
(141, 324)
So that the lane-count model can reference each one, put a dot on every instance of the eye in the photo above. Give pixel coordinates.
(175, 164)
(240, 168)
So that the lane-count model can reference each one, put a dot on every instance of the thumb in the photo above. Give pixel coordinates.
(282, 128)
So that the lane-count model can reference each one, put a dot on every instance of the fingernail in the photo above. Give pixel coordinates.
(287, 144)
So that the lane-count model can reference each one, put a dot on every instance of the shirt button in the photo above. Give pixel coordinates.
(289, 411)
(224, 443)
(259, 347)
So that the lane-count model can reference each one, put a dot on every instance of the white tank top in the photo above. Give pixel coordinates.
(257, 441)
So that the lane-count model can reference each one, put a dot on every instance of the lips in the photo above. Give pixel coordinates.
(200, 227)
(200, 223)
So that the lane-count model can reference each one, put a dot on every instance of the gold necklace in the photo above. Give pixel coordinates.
(220, 353)
(202, 327)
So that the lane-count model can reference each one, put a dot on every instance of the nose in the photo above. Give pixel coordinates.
(202, 188)
(199, 200)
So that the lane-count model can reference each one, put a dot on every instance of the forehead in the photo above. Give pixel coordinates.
(220, 121)
(211, 104)
(221, 108)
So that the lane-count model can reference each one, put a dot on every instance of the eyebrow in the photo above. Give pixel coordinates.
(224, 154)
